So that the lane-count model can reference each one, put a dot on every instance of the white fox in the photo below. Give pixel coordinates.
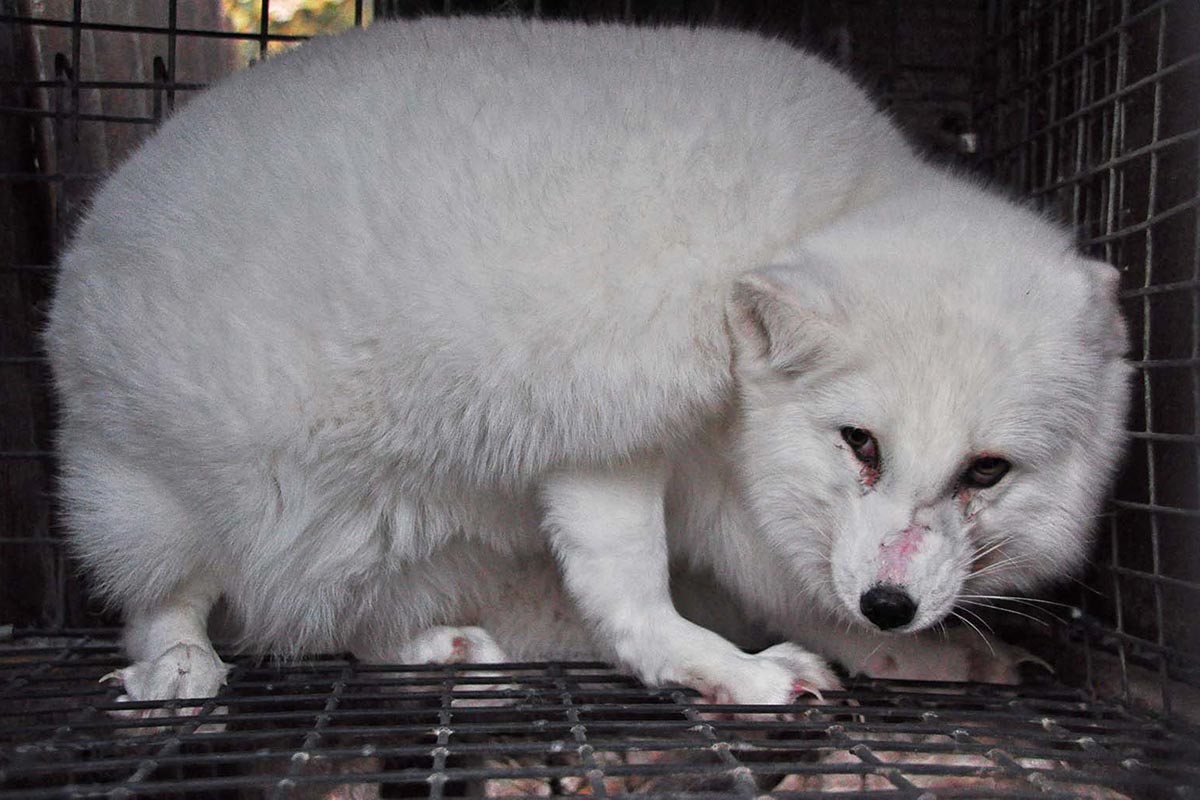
(449, 339)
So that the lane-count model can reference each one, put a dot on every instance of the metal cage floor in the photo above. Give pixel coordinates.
(334, 728)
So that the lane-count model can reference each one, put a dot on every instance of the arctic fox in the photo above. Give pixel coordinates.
(450, 339)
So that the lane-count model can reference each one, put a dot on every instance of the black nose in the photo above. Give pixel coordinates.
(887, 606)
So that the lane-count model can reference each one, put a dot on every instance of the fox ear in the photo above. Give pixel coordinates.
(1105, 282)
(782, 316)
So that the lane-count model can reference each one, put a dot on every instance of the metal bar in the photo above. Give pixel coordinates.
(172, 33)
(1156, 578)
(33, 268)
(874, 764)
(1146, 224)
(1148, 406)
(103, 84)
(80, 117)
(1151, 508)
(1172, 438)
(1114, 195)
(1081, 152)
(1195, 281)
(743, 780)
(1163, 288)
(76, 64)
(34, 177)
(441, 750)
(300, 757)
(1166, 363)
(594, 773)
(151, 29)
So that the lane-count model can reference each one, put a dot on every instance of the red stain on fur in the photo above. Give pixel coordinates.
(896, 553)
(461, 646)
(868, 475)
(964, 496)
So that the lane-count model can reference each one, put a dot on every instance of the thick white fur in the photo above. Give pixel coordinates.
(365, 332)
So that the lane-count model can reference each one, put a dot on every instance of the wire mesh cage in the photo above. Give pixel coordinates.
(1088, 107)
(1092, 113)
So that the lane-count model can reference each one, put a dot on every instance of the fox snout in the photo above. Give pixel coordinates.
(887, 606)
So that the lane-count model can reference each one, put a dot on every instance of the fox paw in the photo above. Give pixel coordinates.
(184, 672)
(468, 645)
(446, 645)
(779, 675)
(961, 656)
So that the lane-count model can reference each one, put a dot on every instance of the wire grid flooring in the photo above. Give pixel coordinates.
(332, 727)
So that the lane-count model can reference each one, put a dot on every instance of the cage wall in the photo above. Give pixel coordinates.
(1090, 108)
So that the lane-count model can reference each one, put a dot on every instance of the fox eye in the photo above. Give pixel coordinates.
(865, 448)
(986, 471)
